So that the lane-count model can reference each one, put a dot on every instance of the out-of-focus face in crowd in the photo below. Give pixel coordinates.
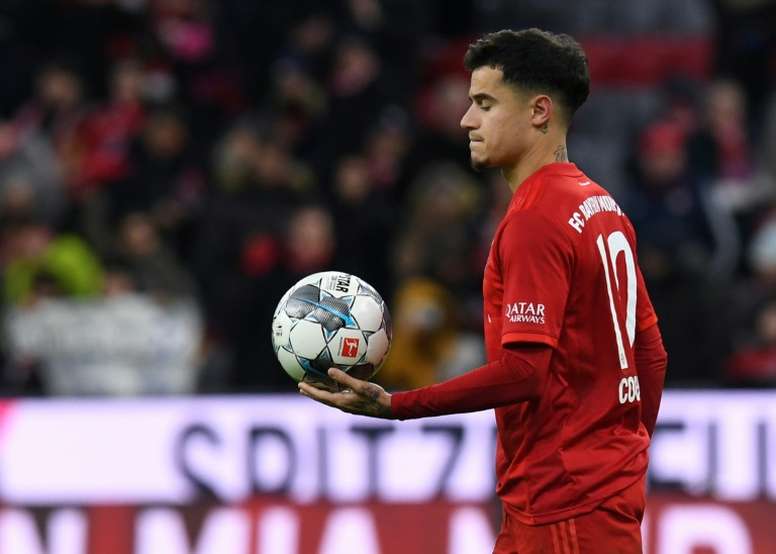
(725, 106)
(59, 89)
(165, 135)
(127, 82)
(662, 157)
(310, 239)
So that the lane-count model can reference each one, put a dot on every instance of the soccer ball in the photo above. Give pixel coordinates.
(331, 319)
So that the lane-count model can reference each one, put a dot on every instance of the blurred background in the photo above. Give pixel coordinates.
(169, 168)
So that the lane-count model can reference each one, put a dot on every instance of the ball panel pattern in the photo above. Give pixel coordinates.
(306, 339)
(333, 313)
(281, 329)
(331, 319)
(290, 364)
(377, 348)
(323, 361)
(303, 301)
(365, 289)
(387, 323)
(367, 312)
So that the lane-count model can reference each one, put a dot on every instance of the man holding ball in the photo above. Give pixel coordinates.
(576, 362)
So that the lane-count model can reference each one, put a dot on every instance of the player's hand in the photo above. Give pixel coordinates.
(358, 397)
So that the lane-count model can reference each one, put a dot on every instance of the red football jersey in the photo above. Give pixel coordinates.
(563, 271)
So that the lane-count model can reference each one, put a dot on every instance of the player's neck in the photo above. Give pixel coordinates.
(550, 149)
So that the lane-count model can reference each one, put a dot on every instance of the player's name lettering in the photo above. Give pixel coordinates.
(590, 207)
(525, 312)
(629, 390)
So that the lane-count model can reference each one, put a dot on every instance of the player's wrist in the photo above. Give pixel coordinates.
(386, 405)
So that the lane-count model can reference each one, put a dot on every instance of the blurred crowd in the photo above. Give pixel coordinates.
(168, 168)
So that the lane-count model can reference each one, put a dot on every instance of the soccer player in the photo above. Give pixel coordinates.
(576, 360)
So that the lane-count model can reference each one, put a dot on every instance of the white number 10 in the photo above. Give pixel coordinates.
(617, 244)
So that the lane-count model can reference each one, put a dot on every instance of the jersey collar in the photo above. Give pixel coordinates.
(527, 191)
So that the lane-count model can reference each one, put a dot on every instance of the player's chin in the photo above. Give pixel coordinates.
(478, 163)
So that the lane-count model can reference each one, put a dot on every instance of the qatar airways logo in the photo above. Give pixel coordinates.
(525, 312)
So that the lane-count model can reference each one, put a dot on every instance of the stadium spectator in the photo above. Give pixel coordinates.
(362, 221)
(101, 143)
(429, 344)
(678, 246)
(754, 364)
(118, 344)
(154, 269)
(30, 174)
(32, 248)
(438, 237)
(750, 302)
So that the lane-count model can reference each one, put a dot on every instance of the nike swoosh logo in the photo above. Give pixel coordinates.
(584, 183)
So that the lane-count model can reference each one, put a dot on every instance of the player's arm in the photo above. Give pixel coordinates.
(649, 355)
(518, 375)
(534, 260)
(651, 360)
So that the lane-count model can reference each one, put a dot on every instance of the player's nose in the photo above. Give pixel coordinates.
(467, 121)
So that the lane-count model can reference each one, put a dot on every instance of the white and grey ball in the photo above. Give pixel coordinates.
(331, 319)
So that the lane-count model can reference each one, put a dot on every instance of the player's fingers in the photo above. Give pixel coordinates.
(317, 399)
(320, 395)
(344, 379)
(338, 400)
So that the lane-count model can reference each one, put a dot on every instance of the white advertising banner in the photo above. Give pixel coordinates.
(232, 448)
(284, 475)
(174, 450)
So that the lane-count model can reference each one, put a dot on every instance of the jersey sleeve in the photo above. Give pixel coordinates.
(518, 375)
(536, 260)
(645, 313)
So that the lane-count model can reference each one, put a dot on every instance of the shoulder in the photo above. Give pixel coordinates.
(533, 231)
(574, 204)
(547, 208)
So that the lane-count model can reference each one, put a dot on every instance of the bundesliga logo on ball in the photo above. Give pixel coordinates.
(331, 319)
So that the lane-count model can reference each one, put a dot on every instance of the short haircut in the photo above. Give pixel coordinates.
(537, 61)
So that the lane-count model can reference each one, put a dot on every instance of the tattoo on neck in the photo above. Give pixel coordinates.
(545, 128)
(560, 154)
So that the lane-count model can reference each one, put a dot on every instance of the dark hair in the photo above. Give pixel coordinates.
(536, 60)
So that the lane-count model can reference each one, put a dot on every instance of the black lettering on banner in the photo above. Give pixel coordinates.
(372, 434)
(256, 435)
(762, 458)
(323, 462)
(713, 457)
(193, 433)
(654, 482)
(455, 432)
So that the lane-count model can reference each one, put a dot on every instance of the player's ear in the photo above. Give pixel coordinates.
(541, 110)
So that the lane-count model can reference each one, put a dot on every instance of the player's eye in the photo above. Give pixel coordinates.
(484, 107)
